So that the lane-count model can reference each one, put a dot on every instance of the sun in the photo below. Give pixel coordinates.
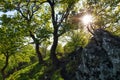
(87, 19)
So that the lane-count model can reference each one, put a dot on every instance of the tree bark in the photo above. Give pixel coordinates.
(40, 58)
(5, 66)
(53, 51)
(53, 56)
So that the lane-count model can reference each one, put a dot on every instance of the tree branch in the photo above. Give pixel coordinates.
(32, 10)
(65, 15)
(54, 21)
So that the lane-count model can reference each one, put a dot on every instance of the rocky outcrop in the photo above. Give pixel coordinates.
(100, 59)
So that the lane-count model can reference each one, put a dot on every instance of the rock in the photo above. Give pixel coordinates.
(100, 58)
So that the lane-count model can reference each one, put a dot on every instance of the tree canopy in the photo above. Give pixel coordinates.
(48, 34)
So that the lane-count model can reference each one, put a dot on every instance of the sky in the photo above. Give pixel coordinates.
(8, 13)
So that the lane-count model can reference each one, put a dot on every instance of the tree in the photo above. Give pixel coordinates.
(11, 41)
(59, 17)
(37, 30)
(27, 13)
(28, 8)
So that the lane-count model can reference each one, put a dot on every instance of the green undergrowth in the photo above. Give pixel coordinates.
(45, 71)
(18, 75)
(36, 72)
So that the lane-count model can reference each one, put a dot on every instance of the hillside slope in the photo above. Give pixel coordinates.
(99, 60)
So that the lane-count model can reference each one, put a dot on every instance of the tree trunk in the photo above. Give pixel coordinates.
(53, 49)
(40, 58)
(38, 53)
(5, 66)
(53, 56)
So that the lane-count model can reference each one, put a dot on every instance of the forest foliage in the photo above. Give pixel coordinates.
(38, 37)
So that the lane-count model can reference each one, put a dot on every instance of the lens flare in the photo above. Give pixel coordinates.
(87, 19)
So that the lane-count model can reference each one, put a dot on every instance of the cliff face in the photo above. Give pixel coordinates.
(100, 59)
